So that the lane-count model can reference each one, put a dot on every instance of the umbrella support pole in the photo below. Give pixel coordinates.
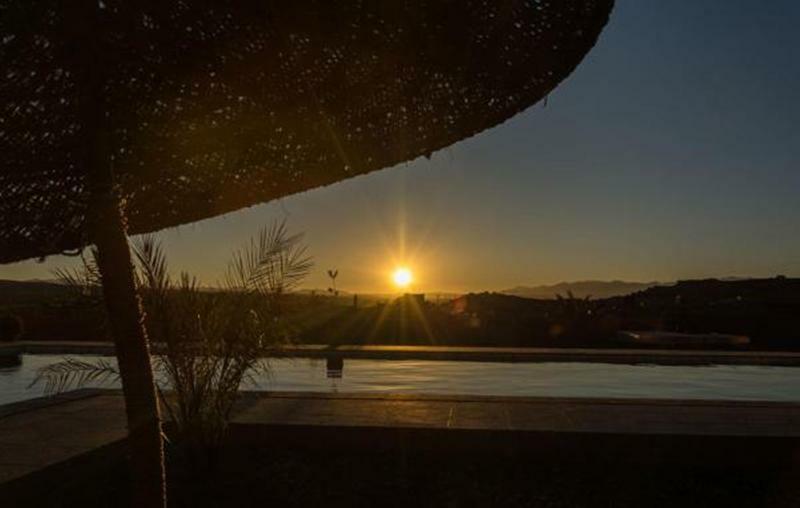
(108, 232)
(109, 235)
(133, 356)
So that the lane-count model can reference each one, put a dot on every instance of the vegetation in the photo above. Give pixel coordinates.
(209, 342)
(332, 274)
(763, 309)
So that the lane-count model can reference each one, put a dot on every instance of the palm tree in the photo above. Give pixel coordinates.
(333, 274)
(210, 341)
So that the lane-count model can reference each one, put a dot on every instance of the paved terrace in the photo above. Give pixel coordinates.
(481, 354)
(56, 432)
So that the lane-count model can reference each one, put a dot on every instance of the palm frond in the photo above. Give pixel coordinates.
(73, 373)
(274, 262)
(152, 263)
(84, 282)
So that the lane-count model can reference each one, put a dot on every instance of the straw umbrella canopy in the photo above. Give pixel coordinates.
(128, 117)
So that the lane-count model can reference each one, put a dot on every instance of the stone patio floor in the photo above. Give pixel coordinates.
(43, 432)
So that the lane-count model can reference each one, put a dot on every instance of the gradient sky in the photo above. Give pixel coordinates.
(671, 153)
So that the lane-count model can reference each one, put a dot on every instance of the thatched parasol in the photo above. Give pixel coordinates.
(181, 111)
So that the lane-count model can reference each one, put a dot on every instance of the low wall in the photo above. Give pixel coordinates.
(479, 354)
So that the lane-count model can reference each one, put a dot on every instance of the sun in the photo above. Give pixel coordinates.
(402, 277)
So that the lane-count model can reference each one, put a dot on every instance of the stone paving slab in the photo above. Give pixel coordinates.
(484, 354)
(527, 414)
(40, 433)
(43, 432)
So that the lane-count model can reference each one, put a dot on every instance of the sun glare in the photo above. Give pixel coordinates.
(402, 277)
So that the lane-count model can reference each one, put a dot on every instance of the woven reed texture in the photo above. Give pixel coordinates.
(215, 106)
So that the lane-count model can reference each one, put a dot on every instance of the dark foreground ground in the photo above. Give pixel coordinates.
(285, 477)
(289, 449)
(292, 479)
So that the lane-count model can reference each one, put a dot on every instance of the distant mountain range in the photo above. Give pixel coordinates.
(14, 291)
(582, 289)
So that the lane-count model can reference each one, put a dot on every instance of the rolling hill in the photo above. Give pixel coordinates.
(581, 289)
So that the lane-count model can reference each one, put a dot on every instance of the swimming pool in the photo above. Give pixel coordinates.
(724, 382)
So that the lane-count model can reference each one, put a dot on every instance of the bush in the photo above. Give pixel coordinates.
(211, 342)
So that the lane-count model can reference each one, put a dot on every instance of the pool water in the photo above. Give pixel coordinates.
(724, 382)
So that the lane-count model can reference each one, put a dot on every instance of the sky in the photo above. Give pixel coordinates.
(672, 152)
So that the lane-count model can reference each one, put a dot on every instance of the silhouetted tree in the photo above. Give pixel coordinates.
(333, 274)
